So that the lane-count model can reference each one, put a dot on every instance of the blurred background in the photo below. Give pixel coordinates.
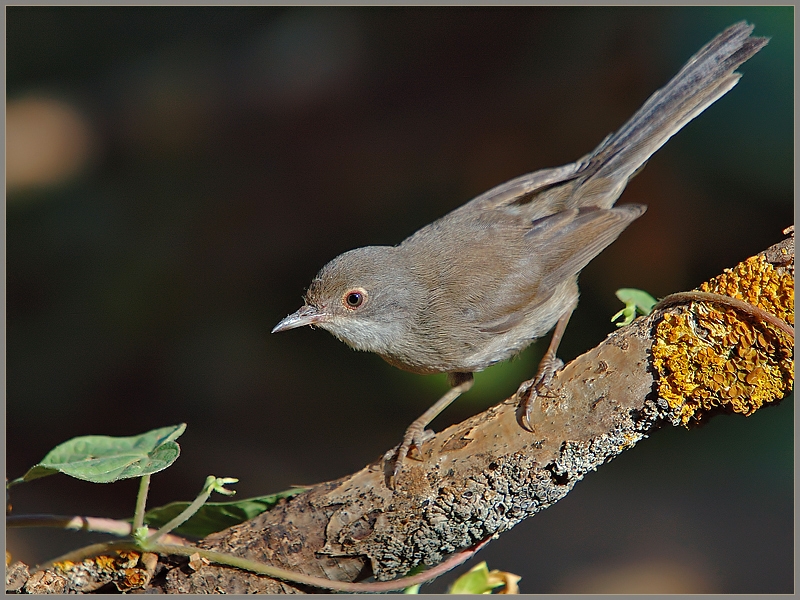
(176, 176)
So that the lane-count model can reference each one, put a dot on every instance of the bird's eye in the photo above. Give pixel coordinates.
(354, 298)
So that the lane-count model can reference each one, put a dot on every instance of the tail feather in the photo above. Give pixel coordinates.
(707, 76)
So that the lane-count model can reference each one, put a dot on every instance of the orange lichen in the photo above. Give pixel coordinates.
(120, 568)
(756, 281)
(714, 356)
(629, 440)
(105, 563)
(134, 579)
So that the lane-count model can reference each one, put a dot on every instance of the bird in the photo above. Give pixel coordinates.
(477, 286)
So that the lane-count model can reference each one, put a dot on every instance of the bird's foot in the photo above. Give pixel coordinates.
(533, 389)
(413, 439)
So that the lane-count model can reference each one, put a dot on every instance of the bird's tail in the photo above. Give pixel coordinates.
(707, 76)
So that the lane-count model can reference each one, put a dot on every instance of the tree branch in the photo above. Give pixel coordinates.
(680, 365)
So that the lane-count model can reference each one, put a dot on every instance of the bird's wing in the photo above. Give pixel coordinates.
(554, 251)
(567, 241)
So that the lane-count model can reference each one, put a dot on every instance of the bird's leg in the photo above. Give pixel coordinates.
(416, 433)
(544, 375)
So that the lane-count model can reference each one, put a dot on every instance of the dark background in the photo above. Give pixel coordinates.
(176, 176)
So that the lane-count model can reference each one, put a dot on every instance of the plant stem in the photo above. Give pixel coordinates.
(79, 523)
(187, 512)
(342, 586)
(96, 524)
(76, 556)
(141, 502)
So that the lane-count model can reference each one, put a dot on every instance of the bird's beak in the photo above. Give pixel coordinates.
(307, 315)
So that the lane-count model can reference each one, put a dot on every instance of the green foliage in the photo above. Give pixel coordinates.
(105, 459)
(479, 580)
(636, 301)
(215, 516)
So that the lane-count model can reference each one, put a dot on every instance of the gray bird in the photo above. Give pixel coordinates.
(477, 286)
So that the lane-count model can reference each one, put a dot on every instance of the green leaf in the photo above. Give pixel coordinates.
(475, 581)
(104, 459)
(643, 301)
(635, 301)
(215, 516)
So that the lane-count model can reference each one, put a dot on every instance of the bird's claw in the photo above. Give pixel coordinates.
(409, 448)
(538, 387)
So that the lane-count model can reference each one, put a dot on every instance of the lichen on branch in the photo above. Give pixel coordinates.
(711, 356)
